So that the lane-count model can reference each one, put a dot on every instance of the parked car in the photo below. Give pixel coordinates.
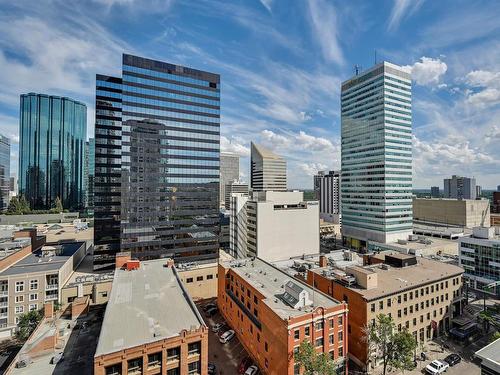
(211, 312)
(453, 359)
(59, 357)
(218, 326)
(436, 367)
(226, 336)
(244, 364)
(252, 370)
(212, 368)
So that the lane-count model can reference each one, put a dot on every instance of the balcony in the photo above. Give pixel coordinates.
(4, 304)
(51, 286)
(4, 293)
(51, 297)
(4, 315)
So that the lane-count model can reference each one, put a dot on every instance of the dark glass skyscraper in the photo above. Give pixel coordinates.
(51, 150)
(4, 172)
(107, 164)
(170, 142)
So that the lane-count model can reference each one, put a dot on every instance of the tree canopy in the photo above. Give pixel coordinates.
(27, 324)
(386, 343)
(314, 363)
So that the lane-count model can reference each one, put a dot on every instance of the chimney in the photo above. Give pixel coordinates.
(122, 259)
(48, 310)
(322, 261)
(170, 263)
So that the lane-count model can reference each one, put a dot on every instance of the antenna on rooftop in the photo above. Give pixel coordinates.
(357, 69)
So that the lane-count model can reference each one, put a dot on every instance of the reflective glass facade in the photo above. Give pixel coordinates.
(107, 168)
(89, 172)
(51, 151)
(4, 172)
(169, 159)
(480, 259)
(376, 184)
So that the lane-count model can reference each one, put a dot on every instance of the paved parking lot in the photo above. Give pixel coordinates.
(227, 356)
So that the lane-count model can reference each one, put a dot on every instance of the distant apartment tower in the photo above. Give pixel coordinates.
(267, 170)
(458, 187)
(229, 172)
(234, 187)
(160, 127)
(376, 182)
(435, 192)
(317, 184)
(479, 191)
(52, 135)
(495, 207)
(4, 172)
(328, 194)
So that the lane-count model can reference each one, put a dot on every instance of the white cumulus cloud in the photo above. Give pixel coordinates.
(427, 71)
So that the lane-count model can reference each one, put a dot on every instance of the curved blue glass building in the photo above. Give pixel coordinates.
(51, 151)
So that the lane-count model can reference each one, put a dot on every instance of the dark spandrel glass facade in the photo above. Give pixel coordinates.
(107, 170)
(4, 172)
(157, 163)
(170, 161)
(89, 173)
(51, 151)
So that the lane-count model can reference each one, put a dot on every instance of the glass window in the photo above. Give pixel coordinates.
(19, 286)
(33, 284)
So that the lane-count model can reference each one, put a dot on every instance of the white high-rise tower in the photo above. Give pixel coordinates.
(376, 184)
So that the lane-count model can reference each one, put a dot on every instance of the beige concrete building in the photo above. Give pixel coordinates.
(421, 295)
(85, 282)
(199, 279)
(281, 225)
(455, 212)
(65, 232)
(420, 246)
(35, 279)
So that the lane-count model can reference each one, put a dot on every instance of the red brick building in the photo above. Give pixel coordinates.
(272, 313)
(151, 325)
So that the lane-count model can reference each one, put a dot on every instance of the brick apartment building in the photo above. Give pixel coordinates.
(151, 325)
(272, 313)
(421, 295)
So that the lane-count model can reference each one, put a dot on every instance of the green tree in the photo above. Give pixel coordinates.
(58, 207)
(24, 206)
(14, 208)
(387, 344)
(27, 324)
(314, 363)
(495, 336)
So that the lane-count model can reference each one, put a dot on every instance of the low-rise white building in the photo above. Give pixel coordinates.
(274, 225)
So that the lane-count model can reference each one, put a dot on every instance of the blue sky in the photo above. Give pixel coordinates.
(281, 62)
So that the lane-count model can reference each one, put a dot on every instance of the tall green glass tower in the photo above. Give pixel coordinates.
(376, 182)
(51, 151)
